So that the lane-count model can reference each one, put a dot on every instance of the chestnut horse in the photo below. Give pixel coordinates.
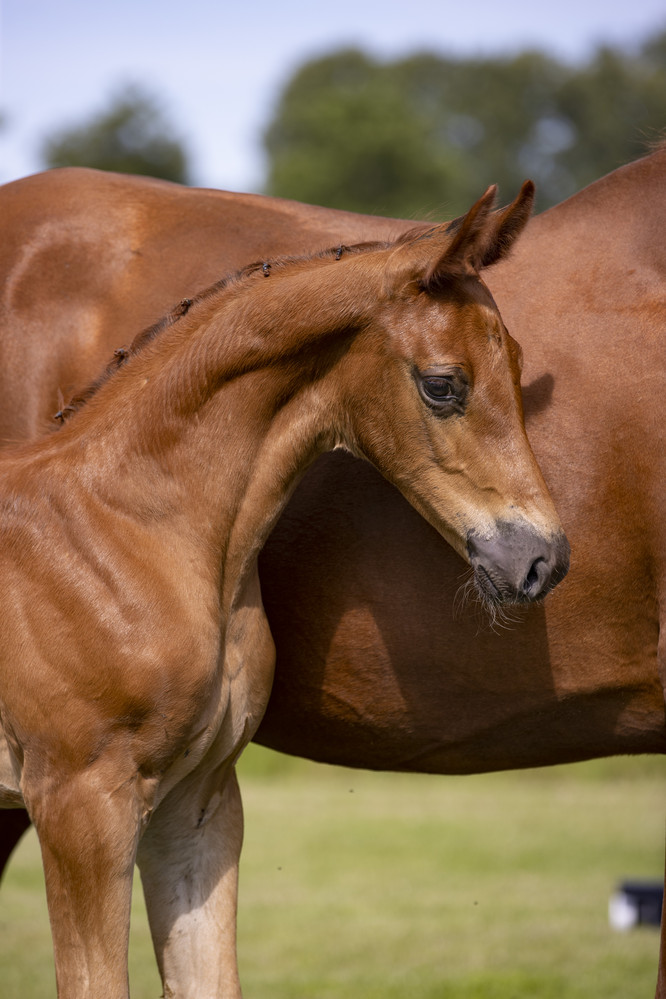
(374, 669)
(136, 660)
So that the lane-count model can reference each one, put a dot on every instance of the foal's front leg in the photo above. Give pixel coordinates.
(88, 828)
(188, 859)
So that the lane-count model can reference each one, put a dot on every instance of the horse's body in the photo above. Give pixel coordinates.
(374, 668)
(136, 660)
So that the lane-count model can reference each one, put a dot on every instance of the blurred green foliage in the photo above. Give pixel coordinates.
(131, 135)
(428, 133)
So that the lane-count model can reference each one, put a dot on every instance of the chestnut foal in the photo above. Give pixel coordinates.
(135, 658)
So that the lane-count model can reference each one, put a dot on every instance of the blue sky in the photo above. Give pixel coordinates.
(219, 66)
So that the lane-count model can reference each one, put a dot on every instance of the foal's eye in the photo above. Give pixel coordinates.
(444, 388)
(439, 389)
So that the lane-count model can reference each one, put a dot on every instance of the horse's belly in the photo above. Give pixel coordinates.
(378, 666)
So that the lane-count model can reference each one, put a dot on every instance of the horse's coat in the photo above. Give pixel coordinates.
(374, 668)
(135, 657)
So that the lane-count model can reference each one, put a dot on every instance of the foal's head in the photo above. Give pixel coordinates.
(435, 403)
(401, 355)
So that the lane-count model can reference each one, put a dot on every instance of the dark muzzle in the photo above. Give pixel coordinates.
(517, 565)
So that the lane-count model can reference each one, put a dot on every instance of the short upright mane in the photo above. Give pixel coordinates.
(234, 280)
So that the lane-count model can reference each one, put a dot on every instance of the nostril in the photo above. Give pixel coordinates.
(532, 579)
(517, 565)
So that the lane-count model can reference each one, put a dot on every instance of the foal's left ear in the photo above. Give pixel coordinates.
(508, 224)
(483, 236)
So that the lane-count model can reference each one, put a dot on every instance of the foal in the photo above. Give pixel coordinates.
(135, 657)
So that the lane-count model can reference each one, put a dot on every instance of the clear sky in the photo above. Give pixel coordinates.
(220, 65)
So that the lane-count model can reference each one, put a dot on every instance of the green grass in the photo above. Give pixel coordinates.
(362, 886)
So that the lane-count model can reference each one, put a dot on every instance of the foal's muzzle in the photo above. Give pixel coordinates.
(517, 565)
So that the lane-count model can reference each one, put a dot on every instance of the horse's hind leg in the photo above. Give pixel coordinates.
(188, 859)
(88, 828)
(13, 823)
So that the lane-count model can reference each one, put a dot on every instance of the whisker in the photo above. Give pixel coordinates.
(464, 594)
(489, 614)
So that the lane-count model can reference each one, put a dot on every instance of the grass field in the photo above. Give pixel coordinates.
(362, 886)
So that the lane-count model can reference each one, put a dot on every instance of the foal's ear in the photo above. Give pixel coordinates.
(482, 236)
(508, 224)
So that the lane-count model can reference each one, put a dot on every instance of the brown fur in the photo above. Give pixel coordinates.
(146, 336)
(136, 660)
(378, 664)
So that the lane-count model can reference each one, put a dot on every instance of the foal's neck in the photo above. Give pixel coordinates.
(211, 425)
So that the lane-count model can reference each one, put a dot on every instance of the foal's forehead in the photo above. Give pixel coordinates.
(464, 321)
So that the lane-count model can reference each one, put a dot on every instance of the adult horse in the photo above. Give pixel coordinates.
(373, 666)
(136, 660)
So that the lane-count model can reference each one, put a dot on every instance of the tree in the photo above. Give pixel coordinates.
(617, 108)
(132, 135)
(429, 133)
(346, 136)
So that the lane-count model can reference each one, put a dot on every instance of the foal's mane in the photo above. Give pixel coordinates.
(235, 280)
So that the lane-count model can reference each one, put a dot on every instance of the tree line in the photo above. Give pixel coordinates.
(417, 136)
